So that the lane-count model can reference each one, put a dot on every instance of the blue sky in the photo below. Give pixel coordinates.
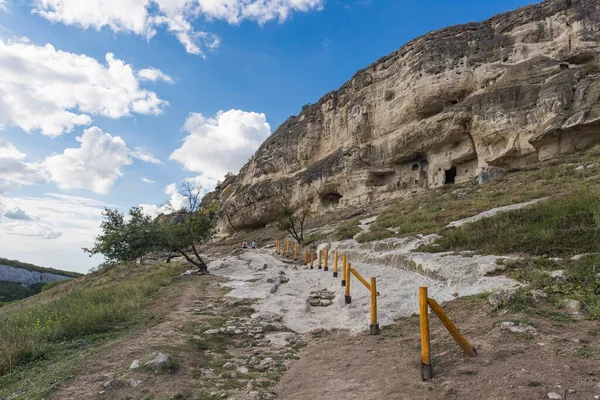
(265, 67)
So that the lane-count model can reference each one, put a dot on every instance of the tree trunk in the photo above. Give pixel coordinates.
(202, 267)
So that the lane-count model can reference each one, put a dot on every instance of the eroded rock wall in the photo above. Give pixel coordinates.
(521, 87)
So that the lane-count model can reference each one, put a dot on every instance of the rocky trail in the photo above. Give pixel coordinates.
(261, 327)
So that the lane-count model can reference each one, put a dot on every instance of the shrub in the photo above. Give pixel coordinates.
(347, 230)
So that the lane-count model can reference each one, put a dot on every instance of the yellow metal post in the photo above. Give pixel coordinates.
(287, 248)
(326, 267)
(458, 337)
(361, 279)
(312, 259)
(426, 368)
(305, 257)
(335, 264)
(344, 270)
(277, 246)
(295, 251)
(374, 327)
(348, 298)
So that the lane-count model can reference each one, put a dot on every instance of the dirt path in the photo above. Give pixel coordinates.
(177, 309)
(510, 366)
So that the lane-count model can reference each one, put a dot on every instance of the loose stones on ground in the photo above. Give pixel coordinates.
(321, 298)
(517, 328)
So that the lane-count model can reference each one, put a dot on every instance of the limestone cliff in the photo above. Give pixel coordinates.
(26, 277)
(521, 87)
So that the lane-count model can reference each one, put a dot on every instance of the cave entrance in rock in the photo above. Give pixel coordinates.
(382, 178)
(331, 199)
(450, 176)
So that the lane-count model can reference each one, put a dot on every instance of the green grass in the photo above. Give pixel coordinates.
(559, 227)
(589, 352)
(580, 282)
(375, 233)
(348, 229)
(30, 331)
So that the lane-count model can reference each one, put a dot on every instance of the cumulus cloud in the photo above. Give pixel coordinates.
(42, 88)
(15, 170)
(94, 165)
(144, 155)
(176, 200)
(143, 17)
(153, 75)
(18, 214)
(215, 146)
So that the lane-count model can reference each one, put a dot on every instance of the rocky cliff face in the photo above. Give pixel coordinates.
(26, 277)
(521, 87)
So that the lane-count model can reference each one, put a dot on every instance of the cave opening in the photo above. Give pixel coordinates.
(450, 176)
(382, 178)
(331, 199)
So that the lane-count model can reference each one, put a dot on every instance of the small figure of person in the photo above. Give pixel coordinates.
(244, 244)
(254, 245)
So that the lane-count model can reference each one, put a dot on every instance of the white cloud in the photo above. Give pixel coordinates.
(95, 165)
(144, 155)
(42, 88)
(15, 170)
(143, 17)
(153, 75)
(146, 180)
(19, 214)
(215, 146)
(32, 229)
(176, 200)
(68, 222)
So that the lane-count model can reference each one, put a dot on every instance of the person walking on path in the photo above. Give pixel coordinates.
(254, 245)
(244, 244)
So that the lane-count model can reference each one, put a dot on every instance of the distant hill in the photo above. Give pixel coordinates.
(19, 280)
(36, 268)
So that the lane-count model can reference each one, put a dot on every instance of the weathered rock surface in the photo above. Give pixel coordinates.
(26, 277)
(446, 107)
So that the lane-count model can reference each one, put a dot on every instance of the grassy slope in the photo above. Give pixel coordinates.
(44, 338)
(32, 267)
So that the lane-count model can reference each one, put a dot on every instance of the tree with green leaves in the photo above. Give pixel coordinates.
(187, 225)
(180, 229)
(122, 239)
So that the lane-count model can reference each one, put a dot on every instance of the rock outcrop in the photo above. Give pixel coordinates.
(521, 87)
(26, 277)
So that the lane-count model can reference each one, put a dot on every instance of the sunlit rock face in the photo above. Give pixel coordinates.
(521, 87)
(26, 277)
